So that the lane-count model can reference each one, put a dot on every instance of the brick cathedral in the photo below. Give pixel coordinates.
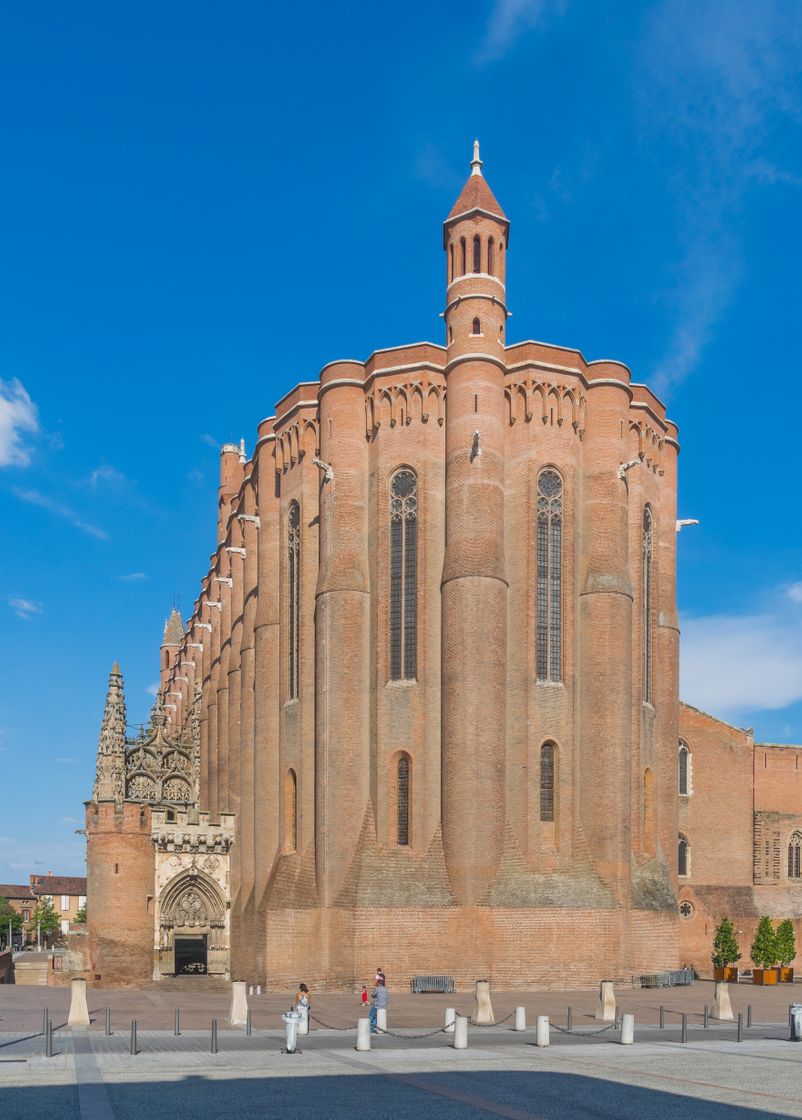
(425, 710)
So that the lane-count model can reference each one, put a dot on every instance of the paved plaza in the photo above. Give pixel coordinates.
(93, 1076)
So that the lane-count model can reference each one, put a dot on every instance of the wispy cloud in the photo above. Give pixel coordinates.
(152, 689)
(432, 167)
(210, 441)
(25, 608)
(19, 854)
(68, 761)
(738, 664)
(71, 820)
(18, 417)
(108, 477)
(509, 20)
(132, 577)
(58, 509)
(714, 81)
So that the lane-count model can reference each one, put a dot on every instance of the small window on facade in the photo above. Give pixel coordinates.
(290, 812)
(462, 254)
(683, 856)
(451, 262)
(403, 575)
(548, 638)
(490, 261)
(794, 859)
(646, 624)
(477, 327)
(402, 801)
(477, 254)
(450, 334)
(293, 598)
(26, 915)
(65, 902)
(684, 765)
(547, 767)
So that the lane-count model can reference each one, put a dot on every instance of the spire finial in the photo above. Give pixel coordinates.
(476, 163)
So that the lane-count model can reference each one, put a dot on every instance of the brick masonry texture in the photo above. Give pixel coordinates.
(321, 888)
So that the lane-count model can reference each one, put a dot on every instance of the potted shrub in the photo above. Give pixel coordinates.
(764, 953)
(785, 944)
(725, 952)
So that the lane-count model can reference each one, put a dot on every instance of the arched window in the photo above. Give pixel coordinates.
(547, 775)
(462, 253)
(683, 856)
(476, 328)
(402, 801)
(684, 770)
(477, 254)
(648, 528)
(294, 597)
(549, 575)
(403, 575)
(794, 859)
(648, 812)
(451, 262)
(290, 811)
(490, 261)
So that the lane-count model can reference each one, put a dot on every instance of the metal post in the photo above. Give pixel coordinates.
(46, 1020)
(570, 1019)
(49, 1040)
(662, 1017)
(177, 1023)
(707, 1015)
(133, 1037)
(740, 1027)
(248, 1027)
(749, 1015)
(684, 1027)
(214, 1036)
(108, 1020)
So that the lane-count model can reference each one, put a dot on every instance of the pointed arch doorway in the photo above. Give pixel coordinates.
(192, 927)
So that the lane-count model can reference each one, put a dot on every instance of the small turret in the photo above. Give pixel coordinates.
(110, 776)
(173, 637)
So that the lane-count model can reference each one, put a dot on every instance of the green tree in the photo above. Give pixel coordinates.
(725, 947)
(80, 917)
(8, 914)
(764, 947)
(45, 919)
(785, 942)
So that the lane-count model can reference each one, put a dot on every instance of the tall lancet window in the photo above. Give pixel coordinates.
(549, 575)
(402, 801)
(294, 597)
(477, 254)
(403, 575)
(547, 768)
(648, 578)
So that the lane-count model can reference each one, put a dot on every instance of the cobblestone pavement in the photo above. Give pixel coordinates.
(94, 1077)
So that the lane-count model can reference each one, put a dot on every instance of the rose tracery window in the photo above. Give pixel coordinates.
(294, 597)
(403, 575)
(549, 576)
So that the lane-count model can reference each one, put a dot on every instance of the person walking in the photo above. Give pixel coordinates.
(365, 996)
(303, 1001)
(378, 1002)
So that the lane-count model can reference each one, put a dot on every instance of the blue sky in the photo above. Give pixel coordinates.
(200, 206)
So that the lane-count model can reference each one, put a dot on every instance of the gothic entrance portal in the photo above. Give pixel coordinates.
(190, 954)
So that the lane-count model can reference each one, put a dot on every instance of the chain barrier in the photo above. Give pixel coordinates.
(329, 1027)
(497, 1023)
(614, 1026)
(429, 1034)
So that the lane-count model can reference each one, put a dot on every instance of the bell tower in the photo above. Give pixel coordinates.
(474, 584)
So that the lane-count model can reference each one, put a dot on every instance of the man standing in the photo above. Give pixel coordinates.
(378, 1001)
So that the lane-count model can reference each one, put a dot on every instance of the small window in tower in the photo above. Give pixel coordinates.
(477, 254)
(451, 260)
(462, 250)
(477, 327)
(490, 261)
(450, 334)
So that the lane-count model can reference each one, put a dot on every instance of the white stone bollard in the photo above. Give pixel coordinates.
(606, 1006)
(238, 1014)
(460, 1032)
(483, 1008)
(363, 1034)
(381, 1018)
(448, 1019)
(258, 989)
(542, 1038)
(520, 1019)
(79, 1012)
(627, 1030)
(722, 1008)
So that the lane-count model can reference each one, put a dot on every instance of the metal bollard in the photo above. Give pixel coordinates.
(132, 1048)
(662, 1017)
(49, 1040)
(460, 1033)
(627, 1030)
(177, 1022)
(684, 1037)
(569, 1022)
(448, 1020)
(248, 1025)
(46, 1020)
(707, 1015)
(520, 1019)
(740, 1027)
(107, 1024)
(542, 1037)
(214, 1036)
(363, 1034)
(749, 1014)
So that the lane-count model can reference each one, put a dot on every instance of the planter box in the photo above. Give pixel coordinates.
(764, 976)
(728, 973)
(786, 975)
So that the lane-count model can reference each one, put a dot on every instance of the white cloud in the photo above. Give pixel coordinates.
(132, 577)
(509, 20)
(734, 664)
(152, 689)
(210, 441)
(19, 854)
(18, 416)
(106, 476)
(35, 498)
(25, 608)
(68, 761)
